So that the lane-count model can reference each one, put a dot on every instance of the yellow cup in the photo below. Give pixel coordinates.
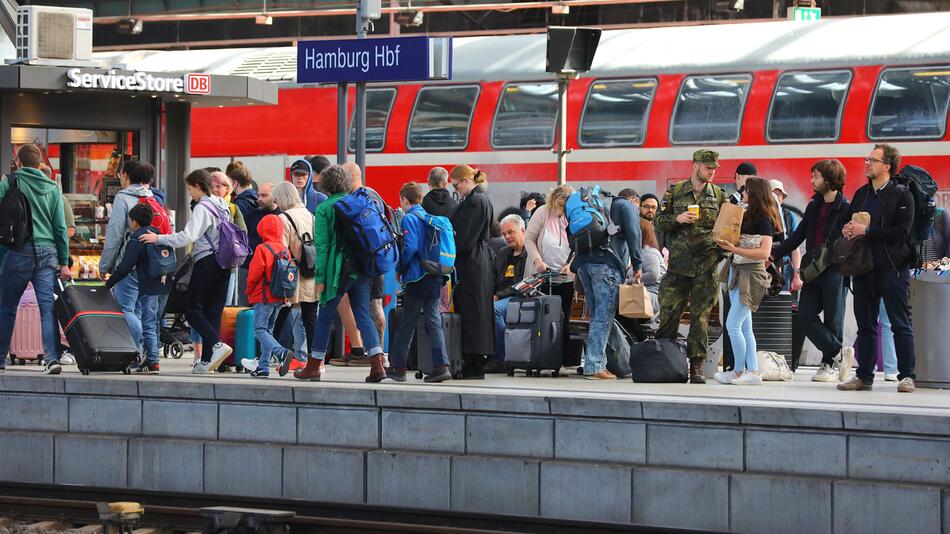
(693, 208)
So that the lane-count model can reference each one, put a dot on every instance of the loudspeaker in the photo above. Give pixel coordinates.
(571, 49)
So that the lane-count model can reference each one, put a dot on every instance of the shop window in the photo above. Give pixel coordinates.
(616, 112)
(910, 103)
(807, 106)
(441, 118)
(526, 116)
(379, 103)
(709, 109)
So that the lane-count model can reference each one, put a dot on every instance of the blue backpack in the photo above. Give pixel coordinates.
(368, 234)
(161, 260)
(438, 256)
(589, 225)
(283, 275)
(232, 246)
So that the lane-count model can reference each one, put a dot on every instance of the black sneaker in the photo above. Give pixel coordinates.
(53, 368)
(393, 374)
(147, 369)
(285, 363)
(260, 372)
(438, 375)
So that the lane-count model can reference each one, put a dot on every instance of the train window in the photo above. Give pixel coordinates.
(616, 113)
(709, 109)
(441, 117)
(379, 102)
(910, 103)
(807, 106)
(526, 116)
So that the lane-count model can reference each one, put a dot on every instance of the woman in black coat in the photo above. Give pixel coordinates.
(474, 290)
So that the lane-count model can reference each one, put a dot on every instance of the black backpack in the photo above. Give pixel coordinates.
(923, 188)
(16, 218)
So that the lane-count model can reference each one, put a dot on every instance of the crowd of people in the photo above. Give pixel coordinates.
(665, 243)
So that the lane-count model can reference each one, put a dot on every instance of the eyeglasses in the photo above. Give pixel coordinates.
(869, 159)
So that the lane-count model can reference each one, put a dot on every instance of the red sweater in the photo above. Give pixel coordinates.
(271, 230)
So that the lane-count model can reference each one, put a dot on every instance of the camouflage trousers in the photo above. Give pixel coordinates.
(702, 292)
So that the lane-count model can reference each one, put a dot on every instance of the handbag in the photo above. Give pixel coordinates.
(853, 257)
(813, 266)
(634, 302)
(308, 252)
(773, 367)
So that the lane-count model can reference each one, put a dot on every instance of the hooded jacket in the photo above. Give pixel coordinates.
(117, 232)
(439, 202)
(136, 257)
(310, 196)
(303, 219)
(271, 230)
(46, 205)
(202, 228)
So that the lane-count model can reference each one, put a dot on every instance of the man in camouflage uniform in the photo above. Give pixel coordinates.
(693, 258)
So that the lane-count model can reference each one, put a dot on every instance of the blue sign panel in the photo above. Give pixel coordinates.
(374, 60)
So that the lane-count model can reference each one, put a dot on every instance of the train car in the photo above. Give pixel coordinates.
(780, 94)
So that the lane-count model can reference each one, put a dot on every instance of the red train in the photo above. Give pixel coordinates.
(780, 94)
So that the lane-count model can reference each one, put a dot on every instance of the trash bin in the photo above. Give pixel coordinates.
(930, 304)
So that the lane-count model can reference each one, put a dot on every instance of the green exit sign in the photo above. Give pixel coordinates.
(804, 13)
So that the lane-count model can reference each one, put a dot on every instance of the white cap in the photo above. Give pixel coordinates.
(777, 184)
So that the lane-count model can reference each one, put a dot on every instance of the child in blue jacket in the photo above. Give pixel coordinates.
(135, 263)
(422, 293)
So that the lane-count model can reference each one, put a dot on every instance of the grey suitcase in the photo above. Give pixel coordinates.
(533, 331)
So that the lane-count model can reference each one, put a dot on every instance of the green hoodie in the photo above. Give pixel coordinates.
(46, 204)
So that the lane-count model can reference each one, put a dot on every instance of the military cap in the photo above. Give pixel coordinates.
(707, 157)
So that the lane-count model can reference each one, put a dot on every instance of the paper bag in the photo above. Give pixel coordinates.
(728, 224)
(635, 302)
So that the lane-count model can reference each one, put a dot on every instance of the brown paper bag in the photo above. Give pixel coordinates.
(634, 302)
(728, 224)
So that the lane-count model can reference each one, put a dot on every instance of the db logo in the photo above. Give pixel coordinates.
(198, 84)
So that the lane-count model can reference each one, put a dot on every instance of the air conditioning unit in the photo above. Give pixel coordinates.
(47, 35)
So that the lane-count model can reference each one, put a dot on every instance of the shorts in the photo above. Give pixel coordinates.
(376, 287)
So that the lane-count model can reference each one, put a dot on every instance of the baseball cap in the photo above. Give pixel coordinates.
(707, 157)
(777, 184)
(300, 166)
(746, 169)
(648, 196)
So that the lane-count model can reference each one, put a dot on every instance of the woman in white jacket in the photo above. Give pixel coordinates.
(208, 289)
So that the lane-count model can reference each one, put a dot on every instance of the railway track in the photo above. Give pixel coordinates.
(48, 509)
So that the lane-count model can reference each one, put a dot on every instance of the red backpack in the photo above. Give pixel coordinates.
(160, 221)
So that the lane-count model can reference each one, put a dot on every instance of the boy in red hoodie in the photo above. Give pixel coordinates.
(266, 305)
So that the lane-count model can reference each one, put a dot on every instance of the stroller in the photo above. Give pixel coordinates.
(174, 337)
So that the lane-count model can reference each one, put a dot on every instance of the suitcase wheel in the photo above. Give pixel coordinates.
(511, 372)
(580, 371)
(555, 373)
(419, 375)
(83, 371)
(126, 371)
(457, 375)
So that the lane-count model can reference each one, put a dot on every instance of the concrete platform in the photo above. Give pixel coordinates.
(782, 457)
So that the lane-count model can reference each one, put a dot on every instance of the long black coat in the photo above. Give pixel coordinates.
(474, 290)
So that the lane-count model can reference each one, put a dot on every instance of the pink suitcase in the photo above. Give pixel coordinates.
(27, 341)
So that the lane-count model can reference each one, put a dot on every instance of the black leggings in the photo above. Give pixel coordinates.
(308, 313)
(207, 294)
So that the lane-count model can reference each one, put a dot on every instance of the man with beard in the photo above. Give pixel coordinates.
(824, 291)
(687, 216)
(649, 204)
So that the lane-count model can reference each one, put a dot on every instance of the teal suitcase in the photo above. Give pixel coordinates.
(245, 346)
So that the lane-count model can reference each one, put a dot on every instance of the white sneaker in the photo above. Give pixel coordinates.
(847, 361)
(725, 377)
(748, 378)
(202, 368)
(249, 364)
(890, 377)
(220, 353)
(67, 359)
(825, 374)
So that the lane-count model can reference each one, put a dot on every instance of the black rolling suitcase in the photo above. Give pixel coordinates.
(533, 331)
(95, 328)
(452, 331)
(394, 323)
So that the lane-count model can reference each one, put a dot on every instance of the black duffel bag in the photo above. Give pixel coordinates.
(659, 361)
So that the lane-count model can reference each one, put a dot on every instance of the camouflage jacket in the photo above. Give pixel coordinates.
(692, 249)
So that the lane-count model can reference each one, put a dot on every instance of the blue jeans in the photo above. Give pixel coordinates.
(501, 310)
(149, 306)
(358, 290)
(126, 293)
(300, 333)
(888, 352)
(421, 296)
(601, 283)
(19, 268)
(739, 324)
(265, 315)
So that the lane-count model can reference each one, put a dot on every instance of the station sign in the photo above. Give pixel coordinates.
(416, 58)
(113, 80)
(804, 14)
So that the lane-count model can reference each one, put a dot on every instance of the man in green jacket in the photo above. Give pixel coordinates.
(37, 260)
